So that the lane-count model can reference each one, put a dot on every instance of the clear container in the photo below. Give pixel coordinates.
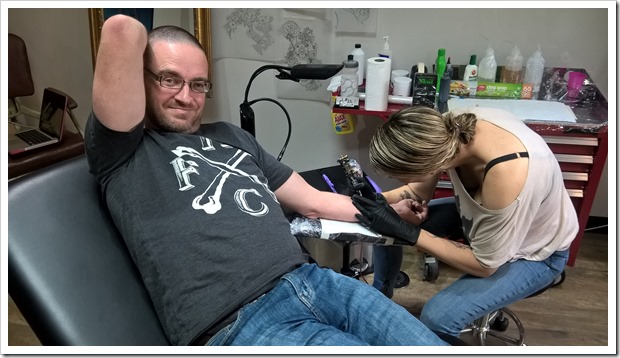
(513, 68)
(487, 70)
(348, 79)
(359, 56)
(534, 70)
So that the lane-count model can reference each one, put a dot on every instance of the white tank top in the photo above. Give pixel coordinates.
(539, 222)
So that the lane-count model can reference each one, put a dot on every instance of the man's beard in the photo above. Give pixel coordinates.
(159, 120)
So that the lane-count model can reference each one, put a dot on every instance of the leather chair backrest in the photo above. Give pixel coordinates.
(20, 78)
(69, 271)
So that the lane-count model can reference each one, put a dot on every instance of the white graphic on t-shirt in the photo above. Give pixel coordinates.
(183, 168)
(243, 204)
(206, 144)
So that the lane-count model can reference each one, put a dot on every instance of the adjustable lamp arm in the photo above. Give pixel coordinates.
(245, 109)
(281, 75)
(295, 73)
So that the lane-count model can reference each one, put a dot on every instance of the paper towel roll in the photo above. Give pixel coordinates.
(378, 71)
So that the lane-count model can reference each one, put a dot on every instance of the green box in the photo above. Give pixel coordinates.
(504, 90)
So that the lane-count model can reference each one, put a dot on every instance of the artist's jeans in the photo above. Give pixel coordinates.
(317, 306)
(469, 297)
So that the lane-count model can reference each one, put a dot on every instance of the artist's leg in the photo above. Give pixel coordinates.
(386, 261)
(470, 297)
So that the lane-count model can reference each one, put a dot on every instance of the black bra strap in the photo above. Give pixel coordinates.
(504, 158)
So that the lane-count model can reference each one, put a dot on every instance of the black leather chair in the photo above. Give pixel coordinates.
(69, 272)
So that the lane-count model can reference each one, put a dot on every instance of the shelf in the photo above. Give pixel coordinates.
(384, 115)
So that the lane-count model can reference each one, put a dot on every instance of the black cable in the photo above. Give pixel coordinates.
(245, 107)
(288, 118)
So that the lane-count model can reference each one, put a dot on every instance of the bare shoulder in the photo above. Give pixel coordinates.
(503, 183)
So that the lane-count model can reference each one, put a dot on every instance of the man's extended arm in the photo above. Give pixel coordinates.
(296, 194)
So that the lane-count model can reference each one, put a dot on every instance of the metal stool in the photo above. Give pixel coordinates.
(496, 322)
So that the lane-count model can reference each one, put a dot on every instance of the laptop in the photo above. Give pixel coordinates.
(51, 125)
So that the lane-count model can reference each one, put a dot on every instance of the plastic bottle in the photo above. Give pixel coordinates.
(359, 56)
(386, 52)
(348, 82)
(444, 94)
(440, 65)
(471, 70)
(534, 70)
(487, 70)
(449, 71)
(513, 68)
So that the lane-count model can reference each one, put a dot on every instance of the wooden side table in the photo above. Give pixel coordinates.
(70, 146)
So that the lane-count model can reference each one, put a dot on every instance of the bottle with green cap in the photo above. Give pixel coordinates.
(471, 70)
(440, 65)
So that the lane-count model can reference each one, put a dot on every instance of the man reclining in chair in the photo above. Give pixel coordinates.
(200, 209)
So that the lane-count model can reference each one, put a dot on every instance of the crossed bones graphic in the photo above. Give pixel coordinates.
(183, 168)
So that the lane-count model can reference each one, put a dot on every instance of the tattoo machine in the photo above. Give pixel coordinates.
(355, 175)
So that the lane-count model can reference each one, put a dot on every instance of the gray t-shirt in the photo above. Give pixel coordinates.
(199, 216)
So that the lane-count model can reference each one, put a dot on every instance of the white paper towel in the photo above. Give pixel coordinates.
(378, 71)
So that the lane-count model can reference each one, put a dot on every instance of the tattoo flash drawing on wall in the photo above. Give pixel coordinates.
(356, 21)
(250, 34)
(302, 49)
(258, 27)
(361, 15)
(281, 37)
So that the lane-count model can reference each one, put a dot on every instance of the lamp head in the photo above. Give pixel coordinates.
(314, 71)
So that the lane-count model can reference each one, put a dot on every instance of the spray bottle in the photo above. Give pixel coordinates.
(386, 52)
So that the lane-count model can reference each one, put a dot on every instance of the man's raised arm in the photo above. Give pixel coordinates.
(118, 85)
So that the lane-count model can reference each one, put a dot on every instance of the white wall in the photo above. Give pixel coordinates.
(59, 50)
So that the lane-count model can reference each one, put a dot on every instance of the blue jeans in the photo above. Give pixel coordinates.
(469, 297)
(317, 306)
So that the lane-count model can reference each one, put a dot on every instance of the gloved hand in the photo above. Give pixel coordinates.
(379, 216)
(362, 188)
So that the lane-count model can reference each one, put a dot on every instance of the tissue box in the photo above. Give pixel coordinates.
(504, 90)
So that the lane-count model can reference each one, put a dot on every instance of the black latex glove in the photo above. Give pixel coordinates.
(379, 216)
(363, 188)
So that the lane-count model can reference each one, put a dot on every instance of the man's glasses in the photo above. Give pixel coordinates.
(169, 81)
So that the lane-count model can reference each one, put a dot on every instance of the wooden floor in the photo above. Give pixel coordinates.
(572, 314)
